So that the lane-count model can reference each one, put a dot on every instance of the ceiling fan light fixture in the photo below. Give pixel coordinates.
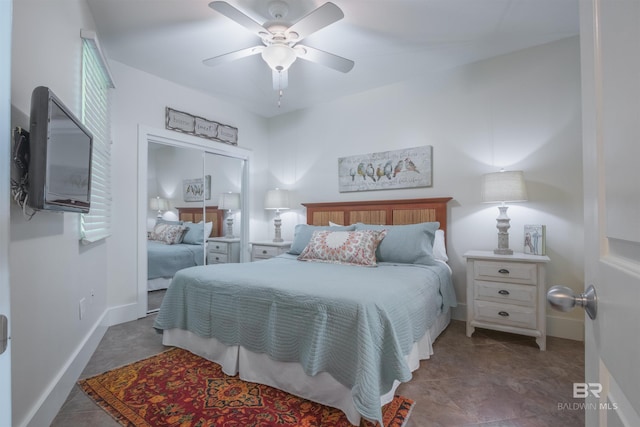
(279, 56)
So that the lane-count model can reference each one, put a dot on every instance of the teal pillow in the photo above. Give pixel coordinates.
(195, 233)
(406, 244)
(303, 232)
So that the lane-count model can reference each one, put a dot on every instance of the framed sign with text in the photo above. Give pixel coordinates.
(197, 126)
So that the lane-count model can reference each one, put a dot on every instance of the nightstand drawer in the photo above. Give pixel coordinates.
(217, 258)
(513, 272)
(222, 250)
(506, 314)
(258, 251)
(266, 250)
(508, 293)
(220, 247)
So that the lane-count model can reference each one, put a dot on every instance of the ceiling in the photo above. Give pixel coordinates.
(389, 40)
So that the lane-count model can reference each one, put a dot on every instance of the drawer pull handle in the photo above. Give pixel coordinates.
(264, 251)
(503, 313)
(503, 271)
(503, 292)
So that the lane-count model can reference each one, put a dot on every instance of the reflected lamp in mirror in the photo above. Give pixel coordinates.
(277, 200)
(158, 204)
(502, 187)
(229, 202)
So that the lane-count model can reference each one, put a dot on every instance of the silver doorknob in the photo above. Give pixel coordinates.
(562, 298)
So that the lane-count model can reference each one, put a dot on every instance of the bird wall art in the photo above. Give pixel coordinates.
(404, 168)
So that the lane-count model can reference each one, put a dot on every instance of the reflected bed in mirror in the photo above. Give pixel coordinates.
(174, 245)
(167, 159)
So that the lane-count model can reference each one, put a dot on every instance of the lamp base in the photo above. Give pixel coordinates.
(502, 224)
(503, 251)
(278, 224)
(229, 234)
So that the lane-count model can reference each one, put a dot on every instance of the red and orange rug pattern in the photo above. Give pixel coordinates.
(178, 388)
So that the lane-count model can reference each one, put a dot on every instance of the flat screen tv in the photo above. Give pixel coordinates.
(60, 156)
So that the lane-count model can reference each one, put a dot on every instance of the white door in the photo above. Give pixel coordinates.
(610, 55)
(5, 132)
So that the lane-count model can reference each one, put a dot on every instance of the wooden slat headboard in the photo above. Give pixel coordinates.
(212, 214)
(384, 212)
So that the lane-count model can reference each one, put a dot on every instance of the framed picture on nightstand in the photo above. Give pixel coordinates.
(535, 239)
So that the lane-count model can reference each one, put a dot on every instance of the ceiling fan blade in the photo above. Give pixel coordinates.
(280, 79)
(324, 58)
(236, 15)
(321, 17)
(232, 56)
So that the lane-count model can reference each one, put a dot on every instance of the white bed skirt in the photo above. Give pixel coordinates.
(158, 283)
(290, 377)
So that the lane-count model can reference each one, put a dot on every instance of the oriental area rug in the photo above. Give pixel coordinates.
(178, 388)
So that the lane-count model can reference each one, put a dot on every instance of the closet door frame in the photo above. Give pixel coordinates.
(148, 135)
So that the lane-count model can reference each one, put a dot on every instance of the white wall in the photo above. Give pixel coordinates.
(141, 98)
(519, 111)
(5, 131)
(50, 270)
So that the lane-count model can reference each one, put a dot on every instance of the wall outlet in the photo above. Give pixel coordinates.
(82, 307)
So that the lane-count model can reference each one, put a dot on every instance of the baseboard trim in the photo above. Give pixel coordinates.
(459, 312)
(52, 400)
(564, 327)
(121, 314)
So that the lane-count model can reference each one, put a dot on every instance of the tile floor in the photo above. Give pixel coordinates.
(154, 300)
(493, 379)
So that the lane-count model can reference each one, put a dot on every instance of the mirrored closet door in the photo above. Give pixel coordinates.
(175, 231)
(192, 201)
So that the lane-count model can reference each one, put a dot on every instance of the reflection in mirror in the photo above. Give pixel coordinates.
(226, 188)
(175, 238)
(185, 221)
(226, 193)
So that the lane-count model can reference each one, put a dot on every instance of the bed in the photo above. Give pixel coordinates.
(164, 260)
(342, 335)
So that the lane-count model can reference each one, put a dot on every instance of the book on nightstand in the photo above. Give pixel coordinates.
(535, 239)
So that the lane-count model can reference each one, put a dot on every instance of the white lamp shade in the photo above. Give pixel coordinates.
(158, 204)
(279, 56)
(505, 186)
(276, 199)
(229, 201)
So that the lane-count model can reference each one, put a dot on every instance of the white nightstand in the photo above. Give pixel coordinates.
(221, 250)
(507, 293)
(266, 250)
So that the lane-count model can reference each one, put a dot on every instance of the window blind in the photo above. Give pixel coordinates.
(96, 85)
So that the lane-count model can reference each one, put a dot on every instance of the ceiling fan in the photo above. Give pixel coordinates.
(280, 40)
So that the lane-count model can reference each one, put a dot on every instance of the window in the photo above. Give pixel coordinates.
(96, 82)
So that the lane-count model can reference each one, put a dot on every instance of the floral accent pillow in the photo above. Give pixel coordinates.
(168, 234)
(343, 247)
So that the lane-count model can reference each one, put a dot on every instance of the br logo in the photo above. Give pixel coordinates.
(583, 390)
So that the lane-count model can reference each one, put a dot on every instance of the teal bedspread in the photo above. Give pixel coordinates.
(356, 323)
(164, 260)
